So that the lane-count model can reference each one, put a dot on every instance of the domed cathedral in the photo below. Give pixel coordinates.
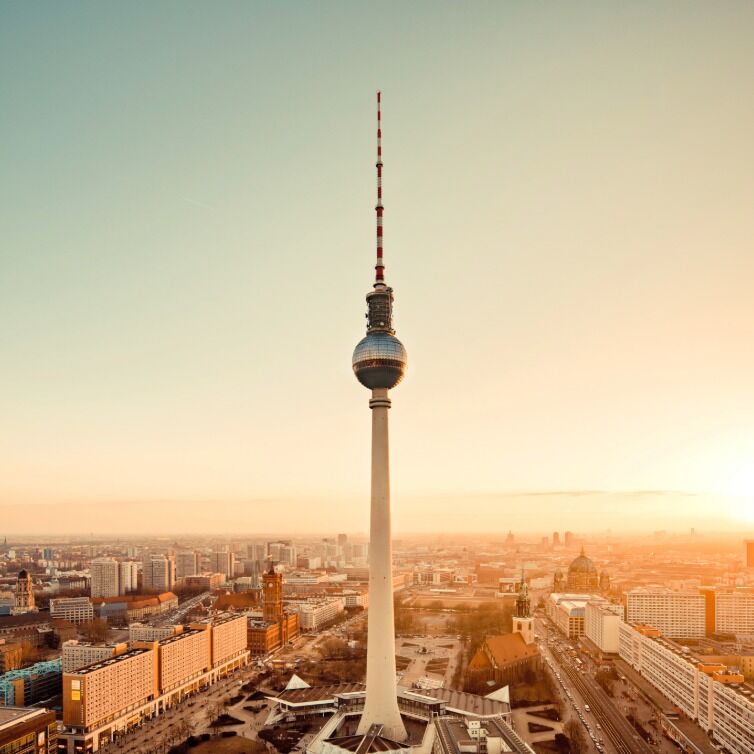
(583, 575)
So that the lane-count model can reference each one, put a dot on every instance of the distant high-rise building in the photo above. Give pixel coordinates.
(568, 538)
(105, 577)
(510, 539)
(223, 561)
(186, 563)
(556, 539)
(159, 573)
(256, 551)
(128, 576)
(749, 544)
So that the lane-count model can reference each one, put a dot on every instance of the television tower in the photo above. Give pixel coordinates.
(379, 362)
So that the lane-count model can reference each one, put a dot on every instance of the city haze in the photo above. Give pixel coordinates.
(186, 230)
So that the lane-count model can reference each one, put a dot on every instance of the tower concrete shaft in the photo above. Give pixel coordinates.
(381, 705)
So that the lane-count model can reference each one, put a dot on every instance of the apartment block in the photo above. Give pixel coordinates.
(104, 577)
(734, 611)
(186, 564)
(228, 636)
(714, 695)
(97, 694)
(128, 576)
(112, 696)
(315, 613)
(676, 614)
(79, 654)
(146, 632)
(601, 622)
(182, 657)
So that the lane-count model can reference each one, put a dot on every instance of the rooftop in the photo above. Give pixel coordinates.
(12, 715)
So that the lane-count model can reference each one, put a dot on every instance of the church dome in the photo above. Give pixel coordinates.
(582, 564)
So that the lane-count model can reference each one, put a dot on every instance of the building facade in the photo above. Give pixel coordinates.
(601, 623)
(105, 577)
(676, 614)
(710, 693)
(113, 696)
(74, 609)
(28, 731)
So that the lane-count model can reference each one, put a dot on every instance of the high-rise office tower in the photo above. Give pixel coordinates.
(568, 537)
(186, 563)
(556, 539)
(128, 576)
(749, 544)
(222, 561)
(379, 362)
(159, 573)
(105, 577)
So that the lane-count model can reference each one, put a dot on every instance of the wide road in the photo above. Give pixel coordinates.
(616, 727)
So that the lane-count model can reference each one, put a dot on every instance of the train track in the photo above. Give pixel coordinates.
(616, 727)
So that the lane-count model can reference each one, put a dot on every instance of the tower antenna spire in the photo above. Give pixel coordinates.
(379, 268)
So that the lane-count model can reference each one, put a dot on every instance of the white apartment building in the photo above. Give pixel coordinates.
(734, 611)
(146, 632)
(128, 576)
(105, 577)
(715, 696)
(79, 654)
(315, 613)
(353, 599)
(73, 609)
(677, 615)
(601, 622)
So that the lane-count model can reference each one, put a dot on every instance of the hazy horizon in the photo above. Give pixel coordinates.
(186, 239)
(583, 512)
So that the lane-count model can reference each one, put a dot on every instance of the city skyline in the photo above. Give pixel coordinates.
(571, 235)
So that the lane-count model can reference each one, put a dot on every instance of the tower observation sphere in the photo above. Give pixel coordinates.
(379, 360)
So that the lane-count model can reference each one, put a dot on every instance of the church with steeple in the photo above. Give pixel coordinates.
(508, 658)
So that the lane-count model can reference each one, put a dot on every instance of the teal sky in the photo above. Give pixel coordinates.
(186, 238)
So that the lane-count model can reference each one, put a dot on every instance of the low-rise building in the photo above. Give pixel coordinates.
(79, 654)
(146, 632)
(27, 686)
(568, 611)
(318, 612)
(28, 731)
(74, 609)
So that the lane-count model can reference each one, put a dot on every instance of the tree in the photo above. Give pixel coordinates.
(575, 732)
(94, 630)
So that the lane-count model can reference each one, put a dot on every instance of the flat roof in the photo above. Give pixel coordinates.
(12, 715)
(110, 661)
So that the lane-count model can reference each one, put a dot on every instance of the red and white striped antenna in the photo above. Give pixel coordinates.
(379, 268)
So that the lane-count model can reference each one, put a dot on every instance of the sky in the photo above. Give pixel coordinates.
(187, 236)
